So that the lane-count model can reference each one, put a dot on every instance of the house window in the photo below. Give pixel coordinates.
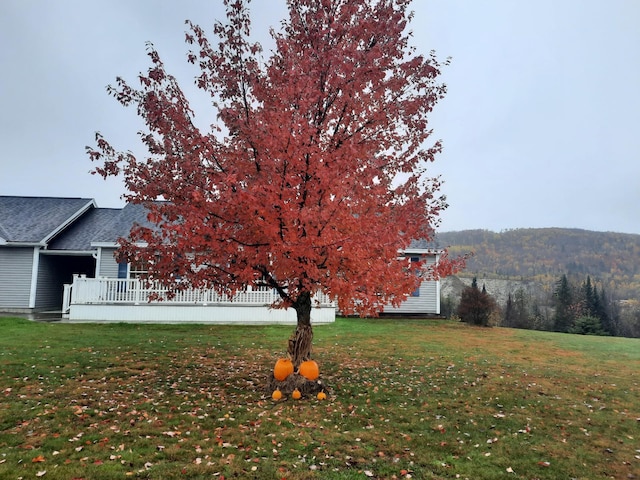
(123, 269)
(138, 269)
(416, 292)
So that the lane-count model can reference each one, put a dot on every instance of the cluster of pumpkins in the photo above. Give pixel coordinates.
(284, 367)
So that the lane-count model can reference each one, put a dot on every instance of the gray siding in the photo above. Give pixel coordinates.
(108, 264)
(15, 277)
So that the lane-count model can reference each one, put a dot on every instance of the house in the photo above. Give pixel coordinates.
(34, 263)
(425, 300)
(58, 253)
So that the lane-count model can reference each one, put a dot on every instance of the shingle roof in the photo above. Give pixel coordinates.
(121, 225)
(35, 219)
(82, 232)
(3, 235)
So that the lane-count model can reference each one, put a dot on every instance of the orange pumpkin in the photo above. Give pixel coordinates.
(296, 394)
(277, 394)
(322, 396)
(309, 370)
(283, 368)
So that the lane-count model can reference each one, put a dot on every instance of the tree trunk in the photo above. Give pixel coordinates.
(300, 341)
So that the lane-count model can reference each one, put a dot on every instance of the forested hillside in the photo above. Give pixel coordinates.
(564, 280)
(612, 260)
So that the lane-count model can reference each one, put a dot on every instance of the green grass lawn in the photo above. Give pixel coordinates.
(407, 399)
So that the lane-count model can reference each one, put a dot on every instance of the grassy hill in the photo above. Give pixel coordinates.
(407, 399)
(544, 254)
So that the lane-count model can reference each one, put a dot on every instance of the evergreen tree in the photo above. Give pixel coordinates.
(586, 325)
(600, 311)
(611, 312)
(589, 297)
(538, 317)
(476, 305)
(508, 319)
(563, 302)
(593, 307)
(521, 304)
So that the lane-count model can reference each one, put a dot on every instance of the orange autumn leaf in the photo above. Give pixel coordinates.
(38, 459)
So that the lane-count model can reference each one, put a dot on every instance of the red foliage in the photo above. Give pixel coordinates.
(314, 176)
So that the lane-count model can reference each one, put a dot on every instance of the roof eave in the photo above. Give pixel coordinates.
(114, 244)
(23, 244)
(70, 253)
(422, 251)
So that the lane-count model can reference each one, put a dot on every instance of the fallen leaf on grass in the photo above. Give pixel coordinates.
(41, 473)
(38, 459)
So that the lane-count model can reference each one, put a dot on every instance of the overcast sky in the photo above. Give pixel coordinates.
(541, 123)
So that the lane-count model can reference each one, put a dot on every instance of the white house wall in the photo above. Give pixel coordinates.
(428, 302)
(15, 277)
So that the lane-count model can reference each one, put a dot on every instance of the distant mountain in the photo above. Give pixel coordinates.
(542, 255)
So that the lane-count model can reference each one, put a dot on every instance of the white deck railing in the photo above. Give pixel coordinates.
(109, 291)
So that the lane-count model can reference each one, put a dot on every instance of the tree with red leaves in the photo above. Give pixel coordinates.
(314, 176)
